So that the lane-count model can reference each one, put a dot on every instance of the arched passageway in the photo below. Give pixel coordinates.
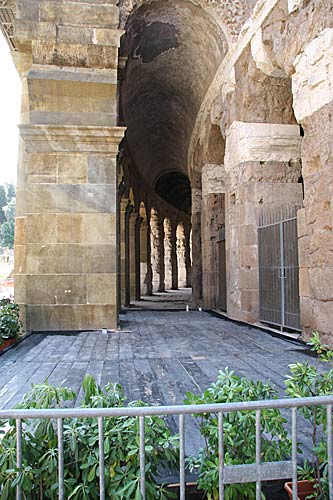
(165, 76)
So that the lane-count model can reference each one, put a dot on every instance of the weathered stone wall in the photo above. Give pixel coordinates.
(262, 170)
(280, 73)
(212, 220)
(304, 50)
(66, 215)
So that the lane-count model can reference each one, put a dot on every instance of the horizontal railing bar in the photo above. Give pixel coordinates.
(247, 473)
(165, 410)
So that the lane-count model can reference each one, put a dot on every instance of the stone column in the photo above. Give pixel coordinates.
(167, 254)
(262, 170)
(161, 286)
(143, 265)
(174, 261)
(148, 280)
(157, 247)
(128, 254)
(180, 234)
(138, 257)
(132, 249)
(312, 86)
(66, 227)
(212, 220)
(188, 255)
(122, 217)
(196, 247)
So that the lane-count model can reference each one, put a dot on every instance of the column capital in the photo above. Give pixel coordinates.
(71, 139)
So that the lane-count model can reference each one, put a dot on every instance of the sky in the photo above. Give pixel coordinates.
(10, 102)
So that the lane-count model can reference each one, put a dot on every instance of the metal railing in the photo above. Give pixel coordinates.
(228, 474)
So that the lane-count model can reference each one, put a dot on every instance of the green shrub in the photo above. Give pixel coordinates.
(10, 324)
(306, 380)
(239, 433)
(38, 475)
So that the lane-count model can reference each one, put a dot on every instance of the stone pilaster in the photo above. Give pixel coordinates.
(138, 256)
(66, 226)
(122, 215)
(312, 87)
(128, 254)
(262, 170)
(212, 220)
(66, 222)
(196, 246)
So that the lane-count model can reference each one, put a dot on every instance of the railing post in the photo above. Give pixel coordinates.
(330, 451)
(19, 455)
(258, 454)
(101, 458)
(294, 450)
(181, 457)
(142, 457)
(221, 456)
(61, 494)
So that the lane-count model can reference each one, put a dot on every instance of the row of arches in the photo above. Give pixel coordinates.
(154, 251)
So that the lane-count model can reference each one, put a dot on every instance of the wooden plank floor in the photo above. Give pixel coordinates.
(157, 357)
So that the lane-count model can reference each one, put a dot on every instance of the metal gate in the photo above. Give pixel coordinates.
(278, 268)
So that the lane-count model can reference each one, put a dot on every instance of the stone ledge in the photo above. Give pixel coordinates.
(83, 75)
(54, 138)
(262, 142)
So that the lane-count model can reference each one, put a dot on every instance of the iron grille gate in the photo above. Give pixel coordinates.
(278, 268)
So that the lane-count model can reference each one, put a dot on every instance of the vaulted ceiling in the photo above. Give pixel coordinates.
(173, 49)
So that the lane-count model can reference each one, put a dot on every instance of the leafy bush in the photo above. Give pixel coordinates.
(38, 475)
(306, 380)
(10, 324)
(239, 433)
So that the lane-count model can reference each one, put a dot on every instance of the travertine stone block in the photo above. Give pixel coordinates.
(21, 202)
(305, 288)
(312, 82)
(261, 142)
(71, 96)
(20, 231)
(101, 288)
(72, 169)
(70, 228)
(41, 228)
(213, 179)
(70, 258)
(63, 317)
(100, 228)
(74, 55)
(72, 198)
(263, 57)
(20, 259)
(105, 16)
(101, 170)
(56, 289)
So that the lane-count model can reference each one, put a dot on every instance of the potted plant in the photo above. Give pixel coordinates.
(306, 380)
(10, 324)
(239, 431)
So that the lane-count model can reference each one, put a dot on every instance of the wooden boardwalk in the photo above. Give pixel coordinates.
(157, 357)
